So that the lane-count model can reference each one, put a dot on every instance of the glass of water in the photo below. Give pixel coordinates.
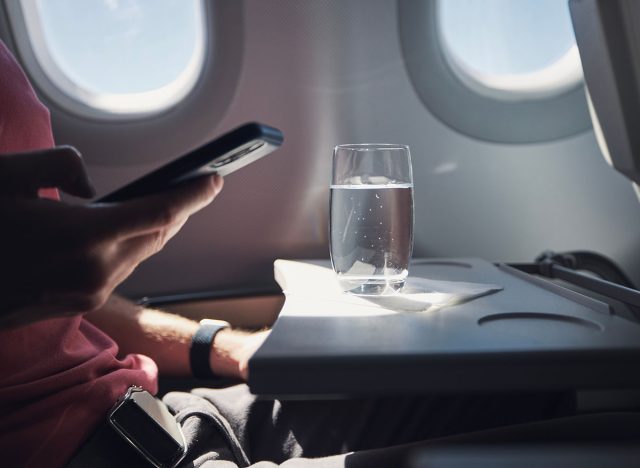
(371, 225)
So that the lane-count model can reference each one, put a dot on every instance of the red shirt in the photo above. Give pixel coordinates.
(58, 377)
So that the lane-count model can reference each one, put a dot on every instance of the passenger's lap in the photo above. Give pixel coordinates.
(231, 424)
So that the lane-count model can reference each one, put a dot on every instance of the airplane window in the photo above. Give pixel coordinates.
(121, 57)
(507, 48)
(504, 71)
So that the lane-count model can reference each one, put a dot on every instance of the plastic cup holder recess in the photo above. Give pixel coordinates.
(540, 317)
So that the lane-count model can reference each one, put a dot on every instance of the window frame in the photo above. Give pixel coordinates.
(143, 142)
(471, 110)
(553, 80)
(60, 89)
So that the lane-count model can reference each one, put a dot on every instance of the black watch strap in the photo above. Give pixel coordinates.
(200, 351)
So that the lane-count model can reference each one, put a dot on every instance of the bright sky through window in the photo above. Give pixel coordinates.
(521, 46)
(123, 56)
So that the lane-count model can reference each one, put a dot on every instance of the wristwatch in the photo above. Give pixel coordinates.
(200, 351)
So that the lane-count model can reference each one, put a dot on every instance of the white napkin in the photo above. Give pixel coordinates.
(423, 295)
(313, 290)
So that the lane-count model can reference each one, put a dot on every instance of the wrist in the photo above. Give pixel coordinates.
(232, 350)
(201, 345)
(222, 360)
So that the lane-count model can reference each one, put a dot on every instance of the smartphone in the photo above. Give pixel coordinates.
(224, 155)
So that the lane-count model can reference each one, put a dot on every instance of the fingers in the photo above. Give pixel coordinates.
(90, 278)
(134, 251)
(155, 212)
(138, 249)
(62, 167)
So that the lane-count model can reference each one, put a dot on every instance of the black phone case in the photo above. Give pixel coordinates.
(224, 155)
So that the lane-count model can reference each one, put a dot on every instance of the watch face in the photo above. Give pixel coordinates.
(158, 411)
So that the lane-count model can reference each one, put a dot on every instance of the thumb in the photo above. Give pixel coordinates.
(61, 167)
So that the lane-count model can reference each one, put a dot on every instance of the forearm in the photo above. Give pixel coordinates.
(166, 338)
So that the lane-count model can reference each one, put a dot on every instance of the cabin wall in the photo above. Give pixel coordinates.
(330, 72)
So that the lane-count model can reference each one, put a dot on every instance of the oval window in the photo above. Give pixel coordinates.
(119, 56)
(506, 71)
(510, 49)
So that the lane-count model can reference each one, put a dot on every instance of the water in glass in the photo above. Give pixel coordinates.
(371, 235)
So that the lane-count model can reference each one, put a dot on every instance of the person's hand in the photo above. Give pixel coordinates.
(243, 353)
(232, 350)
(60, 259)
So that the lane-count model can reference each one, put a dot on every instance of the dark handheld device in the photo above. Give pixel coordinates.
(224, 155)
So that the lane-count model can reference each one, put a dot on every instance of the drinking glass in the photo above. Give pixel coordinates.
(371, 222)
